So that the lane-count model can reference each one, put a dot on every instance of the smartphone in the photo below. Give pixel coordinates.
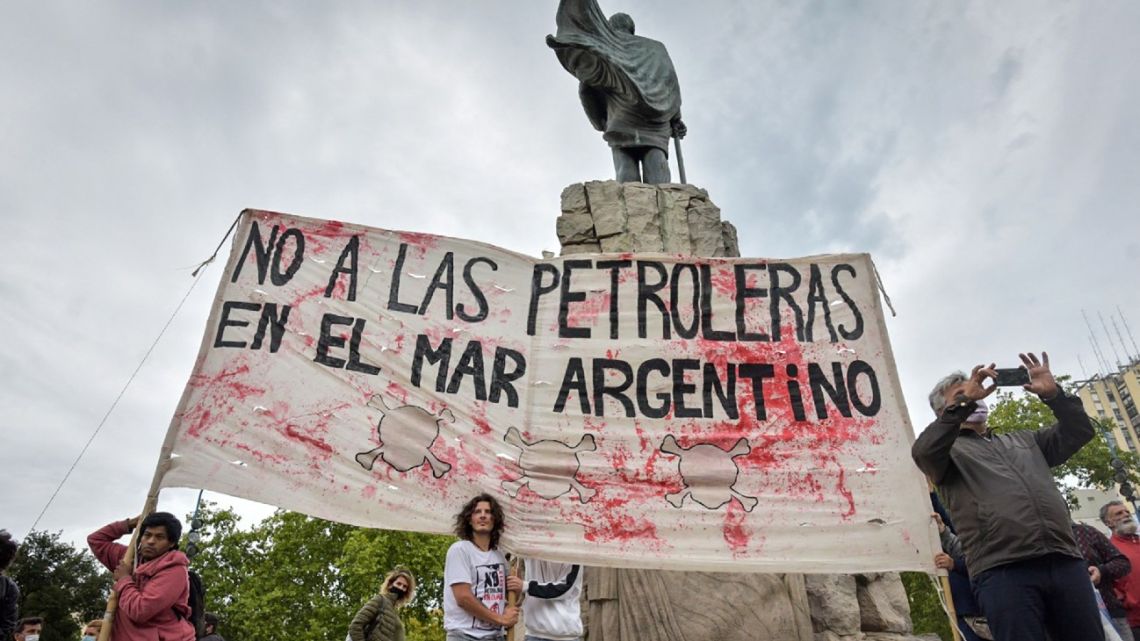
(1011, 376)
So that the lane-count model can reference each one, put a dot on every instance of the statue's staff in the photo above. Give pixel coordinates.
(679, 131)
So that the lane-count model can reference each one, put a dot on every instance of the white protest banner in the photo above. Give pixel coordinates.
(639, 411)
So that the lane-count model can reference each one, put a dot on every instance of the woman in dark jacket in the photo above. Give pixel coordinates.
(379, 619)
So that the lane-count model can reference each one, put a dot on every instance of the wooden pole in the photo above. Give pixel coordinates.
(113, 601)
(945, 579)
(148, 507)
(512, 600)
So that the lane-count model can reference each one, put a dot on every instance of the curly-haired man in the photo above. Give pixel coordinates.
(475, 576)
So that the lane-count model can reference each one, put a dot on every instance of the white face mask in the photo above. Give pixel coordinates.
(980, 414)
(1126, 526)
(31, 637)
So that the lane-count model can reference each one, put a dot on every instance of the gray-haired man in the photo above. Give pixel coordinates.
(1028, 574)
(1116, 516)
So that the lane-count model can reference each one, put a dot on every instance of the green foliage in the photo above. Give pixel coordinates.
(925, 609)
(64, 585)
(1089, 467)
(296, 577)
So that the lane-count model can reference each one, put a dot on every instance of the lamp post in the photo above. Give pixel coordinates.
(195, 534)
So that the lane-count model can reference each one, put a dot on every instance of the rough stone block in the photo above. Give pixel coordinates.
(834, 604)
(574, 200)
(705, 231)
(639, 198)
(730, 241)
(606, 205)
(828, 635)
(618, 243)
(883, 605)
(585, 248)
(575, 229)
(674, 222)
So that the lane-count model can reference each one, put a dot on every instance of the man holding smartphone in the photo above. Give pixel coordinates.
(1013, 523)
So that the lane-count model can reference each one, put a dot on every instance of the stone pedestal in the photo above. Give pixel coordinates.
(635, 217)
(643, 605)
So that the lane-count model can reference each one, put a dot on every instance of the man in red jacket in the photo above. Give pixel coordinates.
(154, 597)
(1118, 519)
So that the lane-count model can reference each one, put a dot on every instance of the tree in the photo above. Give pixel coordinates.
(1091, 466)
(296, 577)
(926, 611)
(60, 583)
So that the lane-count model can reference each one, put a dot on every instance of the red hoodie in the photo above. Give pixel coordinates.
(149, 599)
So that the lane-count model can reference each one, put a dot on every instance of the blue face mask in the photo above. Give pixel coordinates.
(88, 637)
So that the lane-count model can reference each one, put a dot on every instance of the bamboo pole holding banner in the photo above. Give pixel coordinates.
(944, 577)
(164, 456)
(148, 507)
(512, 599)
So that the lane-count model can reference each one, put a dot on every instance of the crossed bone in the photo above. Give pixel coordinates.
(670, 446)
(438, 467)
(586, 444)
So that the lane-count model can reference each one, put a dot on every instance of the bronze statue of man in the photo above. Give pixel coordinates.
(628, 87)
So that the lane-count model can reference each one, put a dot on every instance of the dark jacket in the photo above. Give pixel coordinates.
(964, 603)
(1113, 565)
(9, 606)
(999, 488)
(381, 614)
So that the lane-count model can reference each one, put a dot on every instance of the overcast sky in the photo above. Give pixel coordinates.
(986, 154)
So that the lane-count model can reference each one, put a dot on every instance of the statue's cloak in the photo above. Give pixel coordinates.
(613, 64)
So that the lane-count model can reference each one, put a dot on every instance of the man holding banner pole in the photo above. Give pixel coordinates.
(476, 582)
(153, 596)
(1028, 574)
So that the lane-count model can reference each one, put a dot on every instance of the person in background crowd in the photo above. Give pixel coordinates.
(210, 623)
(379, 619)
(154, 596)
(91, 630)
(475, 580)
(1106, 566)
(1118, 519)
(971, 622)
(9, 591)
(552, 610)
(29, 629)
(1013, 523)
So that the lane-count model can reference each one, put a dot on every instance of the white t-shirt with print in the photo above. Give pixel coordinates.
(486, 572)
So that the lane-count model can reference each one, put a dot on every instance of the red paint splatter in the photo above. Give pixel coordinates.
(259, 455)
(736, 532)
(397, 391)
(291, 432)
(318, 236)
(482, 427)
(306, 296)
(219, 393)
(623, 528)
(841, 487)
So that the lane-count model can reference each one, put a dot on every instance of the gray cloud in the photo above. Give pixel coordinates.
(985, 154)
